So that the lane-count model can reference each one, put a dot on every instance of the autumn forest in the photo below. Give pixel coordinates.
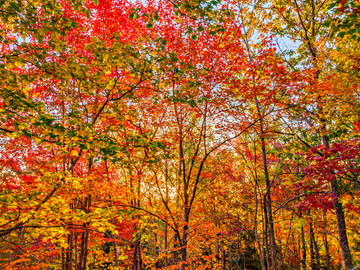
(179, 134)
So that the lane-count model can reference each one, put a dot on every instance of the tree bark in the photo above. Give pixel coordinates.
(268, 260)
(303, 260)
(317, 255)
(69, 252)
(340, 217)
(184, 239)
(268, 190)
(116, 254)
(312, 253)
(341, 225)
(326, 245)
(223, 257)
(261, 247)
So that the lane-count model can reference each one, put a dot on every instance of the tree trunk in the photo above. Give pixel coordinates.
(312, 235)
(84, 238)
(326, 245)
(261, 247)
(166, 244)
(340, 217)
(63, 262)
(268, 263)
(341, 225)
(69, 252)
(137, 261)
(223, 257)
(184, 237)
(312, 253)
(268, 191)
(303, 260)
(76, 248)
(84, 250)
(299, 251)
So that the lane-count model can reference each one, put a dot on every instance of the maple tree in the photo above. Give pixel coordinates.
(179, 135)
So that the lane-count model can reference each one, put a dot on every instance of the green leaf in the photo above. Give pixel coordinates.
(341, 34)
(200, 28)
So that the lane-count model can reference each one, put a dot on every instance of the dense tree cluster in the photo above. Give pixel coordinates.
(184, 134)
